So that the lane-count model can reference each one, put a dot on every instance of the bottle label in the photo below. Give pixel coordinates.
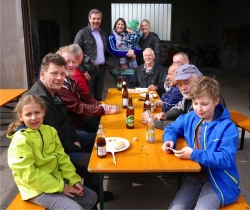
(130, 107)
(101, 151)
(130, 120)
(119, 85)
(124, 102)
(150, 136)
(147, 102)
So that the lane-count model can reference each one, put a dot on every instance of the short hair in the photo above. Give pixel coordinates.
(52, 58)
(147, 21)
(76, 49)
(152, 51)
(205, 86)
(182, 54)
(64, 49)
(124, 22)
(94, 11)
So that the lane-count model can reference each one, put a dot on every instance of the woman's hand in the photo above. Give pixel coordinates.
(77, 144)
(131, 54)
(160, 116)
(152, 87)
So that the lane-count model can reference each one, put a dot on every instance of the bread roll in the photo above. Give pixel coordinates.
(119, 145)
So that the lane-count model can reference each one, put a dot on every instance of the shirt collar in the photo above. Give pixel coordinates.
(149, 70)
(94, 29)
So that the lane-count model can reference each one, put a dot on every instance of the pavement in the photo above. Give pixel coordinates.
(149, 190)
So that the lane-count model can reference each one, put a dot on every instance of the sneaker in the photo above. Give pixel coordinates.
(108, 196)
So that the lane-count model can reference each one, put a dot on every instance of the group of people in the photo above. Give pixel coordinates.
(57, 120)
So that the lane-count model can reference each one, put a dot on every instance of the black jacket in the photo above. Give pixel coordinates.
(85, 39)
(157, 77)
(151, 41)
(56, 116)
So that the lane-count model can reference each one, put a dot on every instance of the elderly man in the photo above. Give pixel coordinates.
(97, 57)
(81, 106)
(181, 57)
(149, 75)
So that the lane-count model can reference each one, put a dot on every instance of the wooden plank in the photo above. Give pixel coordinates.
(8, 95)
(239, 204)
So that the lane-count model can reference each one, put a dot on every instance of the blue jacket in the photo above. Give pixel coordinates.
(219, 145)
(171, 98)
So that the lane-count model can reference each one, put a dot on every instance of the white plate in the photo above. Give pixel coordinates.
(138, 90)
(144, 95)
(110, 146)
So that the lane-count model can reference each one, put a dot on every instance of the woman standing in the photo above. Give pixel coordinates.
(116, 38)
(149, 40)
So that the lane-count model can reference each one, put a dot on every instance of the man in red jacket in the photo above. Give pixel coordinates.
(83, 110)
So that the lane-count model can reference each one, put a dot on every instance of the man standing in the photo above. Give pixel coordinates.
(97, 57)
(181, 57)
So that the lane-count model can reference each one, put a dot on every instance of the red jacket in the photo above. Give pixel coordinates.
(81, 80)
(80, 105)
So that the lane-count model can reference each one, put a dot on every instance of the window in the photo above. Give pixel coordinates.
(159, 16)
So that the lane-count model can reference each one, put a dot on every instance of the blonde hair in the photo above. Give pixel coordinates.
(24, 100)
(145, 20)
(65, 49)
(205, 86)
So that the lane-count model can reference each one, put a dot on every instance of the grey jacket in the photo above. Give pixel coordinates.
(85, 39)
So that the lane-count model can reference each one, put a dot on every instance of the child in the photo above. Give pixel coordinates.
(41, 169)
(130, 41)
(212, 140)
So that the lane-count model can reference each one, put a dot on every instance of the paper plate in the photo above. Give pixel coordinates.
(110, 145)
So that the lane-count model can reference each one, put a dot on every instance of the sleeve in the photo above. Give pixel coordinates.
(81, 80)
(85, 105)
(22, 162)
(171, 99)
(223, 156)
(176, 111)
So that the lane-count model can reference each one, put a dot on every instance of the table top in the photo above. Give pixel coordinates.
(140, 156)
(7, 95)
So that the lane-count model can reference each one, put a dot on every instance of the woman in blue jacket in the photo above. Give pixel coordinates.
(212, 140)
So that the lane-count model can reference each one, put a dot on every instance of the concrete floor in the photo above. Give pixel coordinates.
(148, 191)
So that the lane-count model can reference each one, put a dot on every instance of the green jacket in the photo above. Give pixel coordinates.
(39, 163)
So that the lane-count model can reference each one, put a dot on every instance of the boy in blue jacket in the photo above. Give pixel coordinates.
(212, 140)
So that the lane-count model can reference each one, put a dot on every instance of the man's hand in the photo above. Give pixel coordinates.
(80, 190)
(86, 74)
(152, 87)
(70, 191)
(166, 145)
(160, 116)
(77, 144)
(185, 153)
(144, 118)
(158, 104)
(110, 109)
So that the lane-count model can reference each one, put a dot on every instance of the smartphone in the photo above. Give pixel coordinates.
(171, 149)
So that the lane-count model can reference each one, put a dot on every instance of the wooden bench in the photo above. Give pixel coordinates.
(18, 203)
(239, 204)
(241, 121)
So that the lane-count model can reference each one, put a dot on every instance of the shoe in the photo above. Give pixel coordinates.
(108, 196)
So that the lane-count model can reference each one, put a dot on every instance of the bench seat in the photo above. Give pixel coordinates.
(239, 204)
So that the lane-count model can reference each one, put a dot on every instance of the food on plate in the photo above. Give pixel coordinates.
(119, 144)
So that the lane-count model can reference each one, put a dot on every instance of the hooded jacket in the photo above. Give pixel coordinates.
(219, 141)
(39, 163)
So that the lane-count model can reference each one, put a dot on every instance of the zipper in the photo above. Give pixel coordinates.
(42, 141)
(235, 180)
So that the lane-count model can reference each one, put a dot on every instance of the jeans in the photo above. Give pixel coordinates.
(88, 140)
(96, 83)
(193, 188)
(62, 201)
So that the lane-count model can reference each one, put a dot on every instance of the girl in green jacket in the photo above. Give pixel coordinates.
(42, 170)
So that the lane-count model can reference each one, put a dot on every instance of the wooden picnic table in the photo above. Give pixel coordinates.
(8, 95)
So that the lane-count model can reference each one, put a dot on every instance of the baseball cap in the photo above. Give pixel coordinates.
(183, 72)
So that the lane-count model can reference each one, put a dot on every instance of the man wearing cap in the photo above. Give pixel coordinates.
(97, 57)
(186, 77)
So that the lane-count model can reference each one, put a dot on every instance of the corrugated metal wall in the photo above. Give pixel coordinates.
(159, 16)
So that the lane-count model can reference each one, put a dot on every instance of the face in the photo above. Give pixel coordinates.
(120, 27)
(204, 107)
(53, 78)
(70, 59)
(32, 115)
(130, 31)
(185, 85)
(171, 75)
(179, 58)
(95, 21)
(145, 27)
(148, 57)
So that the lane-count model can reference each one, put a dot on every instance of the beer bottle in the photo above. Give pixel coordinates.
(130, 115)
(150, 132)
(151, 99)
(101, 142)
(119, 82)
(146, 103)
(124, 95)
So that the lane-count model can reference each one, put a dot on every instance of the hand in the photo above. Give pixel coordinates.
(152, 87)
(160, 116)
(144, 118)
(86, 74)
(80, 190)
(77, 144)
(131, 53)
(158, 104)
(113, 109)
(166, 145)
(69, 191)
(185, 153)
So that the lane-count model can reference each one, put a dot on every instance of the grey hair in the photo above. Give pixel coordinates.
(183, 55)
(152, 51)
(195, 76)
(76, 49)
(94, 11)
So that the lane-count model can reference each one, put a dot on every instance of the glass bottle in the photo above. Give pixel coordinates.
(101, 142)
(130, 119)
(124, 95)
(150, 132)
(119, 82)
(151, 99)
(146, 103)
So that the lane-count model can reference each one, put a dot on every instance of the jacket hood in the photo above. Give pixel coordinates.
(151, 34)
(22, 128)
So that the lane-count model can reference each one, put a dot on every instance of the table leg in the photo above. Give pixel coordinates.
(101, 176)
